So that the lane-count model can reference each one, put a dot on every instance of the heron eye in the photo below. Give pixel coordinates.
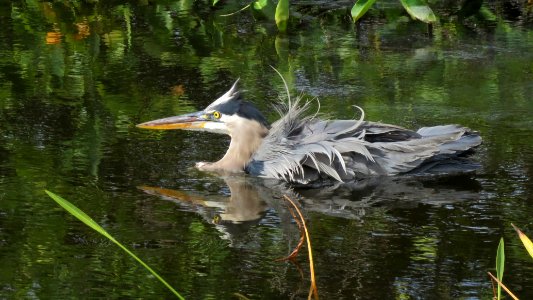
(216, 114)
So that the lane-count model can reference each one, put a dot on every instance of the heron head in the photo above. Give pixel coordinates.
(227, 113)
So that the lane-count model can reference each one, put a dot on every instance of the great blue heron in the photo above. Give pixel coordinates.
(302, 148)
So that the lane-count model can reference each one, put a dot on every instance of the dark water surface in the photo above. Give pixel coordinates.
(75, 79)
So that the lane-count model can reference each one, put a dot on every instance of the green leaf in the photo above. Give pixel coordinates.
(500, 262)
(80, 215)
(215, 2)
(263, 9)
(360, 8)
(525, 240)
(487, 14)
(418, 9)
(260, 4)
(282, 15)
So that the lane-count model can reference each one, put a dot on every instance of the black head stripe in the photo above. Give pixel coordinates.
(229, 107)
(241, 108)
(249, 111)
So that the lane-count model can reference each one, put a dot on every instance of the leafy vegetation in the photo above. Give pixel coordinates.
(417, 9)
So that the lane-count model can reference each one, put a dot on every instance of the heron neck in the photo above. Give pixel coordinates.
(244, 143)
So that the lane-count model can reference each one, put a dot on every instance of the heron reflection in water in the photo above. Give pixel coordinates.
(254, 200)
(302, 148)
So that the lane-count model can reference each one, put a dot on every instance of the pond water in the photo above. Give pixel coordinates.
(75, 77)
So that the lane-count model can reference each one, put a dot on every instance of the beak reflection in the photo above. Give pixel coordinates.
(245, 204)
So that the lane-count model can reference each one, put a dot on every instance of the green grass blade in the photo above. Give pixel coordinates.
(360, 8)
(500, 262)
(149, 269)
(80, 215)
(418, 9)
(282, 15)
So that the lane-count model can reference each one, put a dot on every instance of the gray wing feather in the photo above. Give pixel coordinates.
(461, 138)
(299, 148)
(313, 146)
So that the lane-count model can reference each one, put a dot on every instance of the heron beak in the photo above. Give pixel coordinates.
(193, 121)
(190, 121)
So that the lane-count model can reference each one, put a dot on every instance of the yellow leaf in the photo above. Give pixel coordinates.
(525, 240)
